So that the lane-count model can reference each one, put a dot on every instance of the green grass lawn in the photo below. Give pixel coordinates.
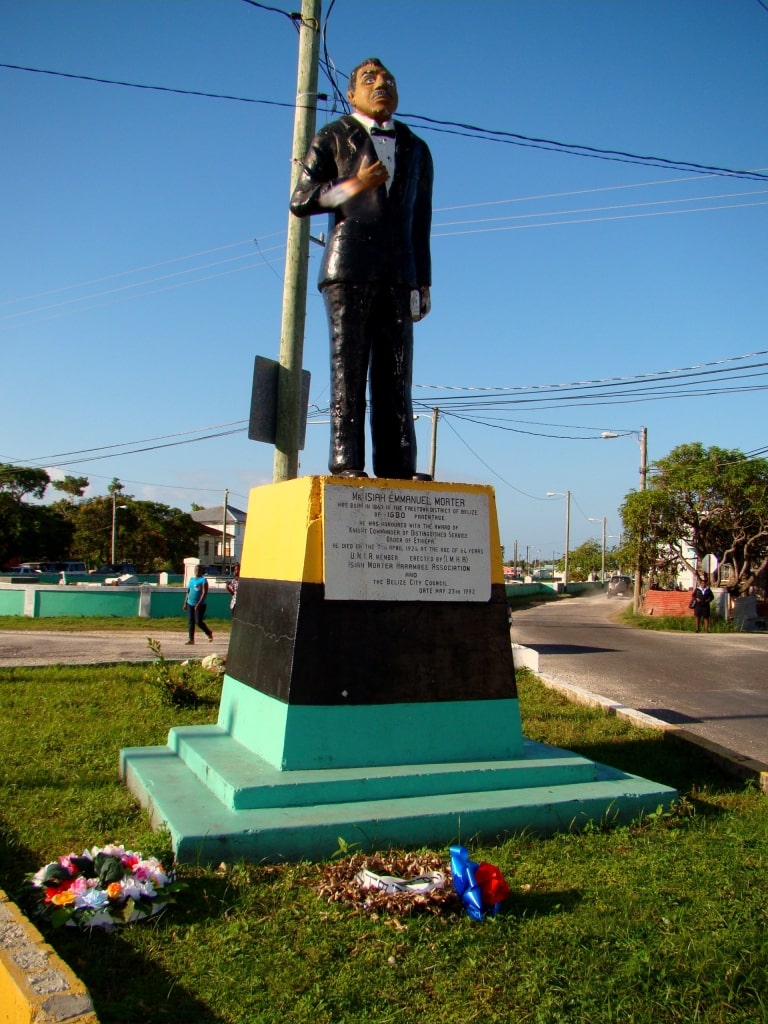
(665, 920)
(95, 623)
(673, 623)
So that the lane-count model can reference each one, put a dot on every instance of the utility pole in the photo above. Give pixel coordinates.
(636, 595)
(567, 538)
(643, 456)
(433, 442)
(224, 531)
(286, 462)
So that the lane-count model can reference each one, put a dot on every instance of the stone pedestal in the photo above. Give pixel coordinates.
(370, 690)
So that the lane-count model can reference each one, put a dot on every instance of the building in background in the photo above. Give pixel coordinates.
(211, 522)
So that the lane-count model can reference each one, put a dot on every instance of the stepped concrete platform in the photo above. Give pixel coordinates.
(370, 690)
(223, 802)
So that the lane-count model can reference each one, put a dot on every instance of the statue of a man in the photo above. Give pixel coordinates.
(373, 177)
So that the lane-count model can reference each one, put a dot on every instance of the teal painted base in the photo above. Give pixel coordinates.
(221, 801)
(299, 736)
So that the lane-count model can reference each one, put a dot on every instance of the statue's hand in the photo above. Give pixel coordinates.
(370, 176)
(421, 303)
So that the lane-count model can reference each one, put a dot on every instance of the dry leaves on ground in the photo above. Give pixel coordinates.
(339, 885)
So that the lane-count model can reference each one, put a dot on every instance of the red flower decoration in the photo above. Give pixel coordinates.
(54, 890)
(492, 884)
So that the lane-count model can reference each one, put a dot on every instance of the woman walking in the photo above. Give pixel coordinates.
(195, 605)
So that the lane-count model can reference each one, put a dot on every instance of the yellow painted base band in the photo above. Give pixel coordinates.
(284, 535)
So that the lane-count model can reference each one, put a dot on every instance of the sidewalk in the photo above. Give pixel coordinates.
(51, 647)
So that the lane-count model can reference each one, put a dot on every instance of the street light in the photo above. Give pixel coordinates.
(602, 570)
(567, 496)
(115, 507)
(641, 436)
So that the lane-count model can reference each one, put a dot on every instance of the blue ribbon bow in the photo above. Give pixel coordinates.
(463, 873)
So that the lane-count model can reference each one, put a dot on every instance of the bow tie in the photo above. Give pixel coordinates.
(388, 133)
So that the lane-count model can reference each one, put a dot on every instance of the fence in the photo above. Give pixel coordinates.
(148, 602)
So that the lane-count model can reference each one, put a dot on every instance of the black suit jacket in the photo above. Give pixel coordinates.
(373, 236)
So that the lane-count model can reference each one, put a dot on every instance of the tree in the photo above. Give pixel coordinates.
(713, 500)
(583, 560)
(148, 534)
(20, 480)
(74, 486)
(20, 524)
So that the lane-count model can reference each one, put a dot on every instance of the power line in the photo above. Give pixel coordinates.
(134, 270)
(150, 448)
(439, 125)
(489, 467)
(602, 209)
(683, 382)
(602, 380)
(128, 298)
(148, 88)
(597, 220)
(23, 314)
(143, 440)
(275, 10)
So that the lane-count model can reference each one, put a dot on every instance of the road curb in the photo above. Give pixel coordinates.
(36, 986)
(738, 765)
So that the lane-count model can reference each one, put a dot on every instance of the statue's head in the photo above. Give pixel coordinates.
(373, 90)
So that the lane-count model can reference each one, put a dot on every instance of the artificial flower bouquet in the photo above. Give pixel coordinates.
(103, 887)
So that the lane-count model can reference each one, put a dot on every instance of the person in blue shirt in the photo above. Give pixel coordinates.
(195, 605)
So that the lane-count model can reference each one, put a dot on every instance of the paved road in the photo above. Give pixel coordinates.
(50, 647)
(714, 685)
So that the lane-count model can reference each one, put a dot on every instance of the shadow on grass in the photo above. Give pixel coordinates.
(541, 904)
(16, 860)
(665, 759)
(124, 984)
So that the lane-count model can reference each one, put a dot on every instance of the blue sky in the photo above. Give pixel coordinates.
(133, 297)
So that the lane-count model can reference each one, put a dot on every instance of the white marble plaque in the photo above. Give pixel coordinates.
(405, 544)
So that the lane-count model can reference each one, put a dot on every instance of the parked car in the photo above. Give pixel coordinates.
(117, 569)
(619, 586)
(21, 570)
(51, 568)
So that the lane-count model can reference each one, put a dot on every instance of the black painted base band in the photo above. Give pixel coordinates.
(290, 643)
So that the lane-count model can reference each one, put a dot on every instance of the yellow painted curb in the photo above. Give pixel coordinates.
(36, 986)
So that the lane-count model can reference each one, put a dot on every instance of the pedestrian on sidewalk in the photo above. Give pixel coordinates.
(196, 606)
(232, 586)
(701, 600)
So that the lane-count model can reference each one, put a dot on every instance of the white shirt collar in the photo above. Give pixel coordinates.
(368, 122)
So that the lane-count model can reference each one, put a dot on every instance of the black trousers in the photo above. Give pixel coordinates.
(196, 615)
(371, 334)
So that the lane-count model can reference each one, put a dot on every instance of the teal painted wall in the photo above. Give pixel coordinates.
(11, 602)
(118, 602)
(518, 590)
(164, 604)
(79, 602)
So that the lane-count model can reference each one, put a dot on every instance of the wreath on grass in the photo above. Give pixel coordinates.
(103, 887)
